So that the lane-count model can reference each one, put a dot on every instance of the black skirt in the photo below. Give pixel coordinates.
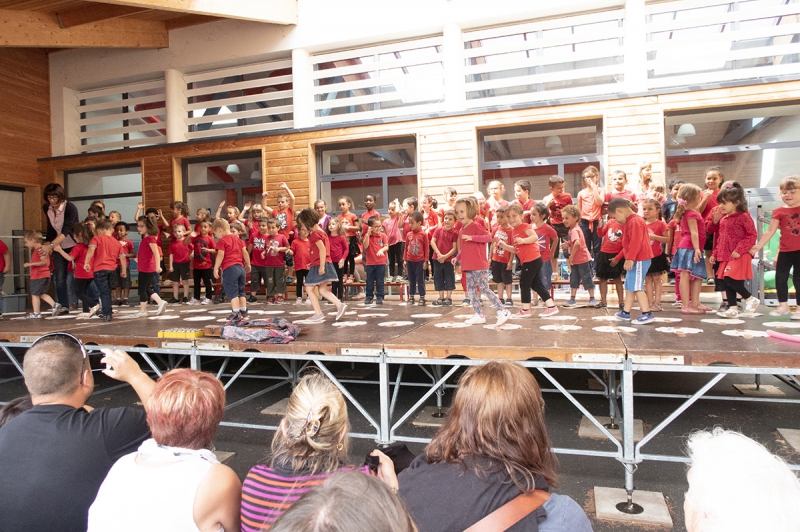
(658, 265)
(603, 268)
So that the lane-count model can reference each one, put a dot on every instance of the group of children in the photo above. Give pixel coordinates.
(475, 237)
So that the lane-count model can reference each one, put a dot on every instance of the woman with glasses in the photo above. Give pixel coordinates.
(173, 482)
(61, 215)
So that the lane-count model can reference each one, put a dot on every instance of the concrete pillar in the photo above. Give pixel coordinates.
(455, 96)
(635, 51)
(175, 101)
(302, 86)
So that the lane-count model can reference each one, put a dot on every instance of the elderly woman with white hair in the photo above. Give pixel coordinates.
(735, 484)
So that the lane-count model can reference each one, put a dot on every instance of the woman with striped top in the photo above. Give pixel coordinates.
(309, 446)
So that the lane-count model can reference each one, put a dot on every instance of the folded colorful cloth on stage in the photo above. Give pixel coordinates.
(266, 331)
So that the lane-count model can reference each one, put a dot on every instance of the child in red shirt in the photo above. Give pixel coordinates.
(430, 221)
(320, 268)
(548, 243)
(77, 254)
(267, 250)
(285, 216)
(122, 284)
(638, 254)
(40, 275)
(416, 258)
(339, 250)
(234, 263)
(657, 229)
(300, 254)
(502, 258)
(579, 260)
(203, 250)
(351, 227)
(369, 203)
(392, 226)
(443, 244)
(609, 263)
(375, 248)
(149, 266)
(101, 258)
(556, 201)
(179, 263)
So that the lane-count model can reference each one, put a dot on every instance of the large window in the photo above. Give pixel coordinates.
(756, 146)
(539, 151)
(234, 179)
(120, 189)
(384, 168)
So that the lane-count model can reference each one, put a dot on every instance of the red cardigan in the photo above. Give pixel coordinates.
(735, 232)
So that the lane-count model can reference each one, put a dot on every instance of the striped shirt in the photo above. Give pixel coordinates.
(268, 492)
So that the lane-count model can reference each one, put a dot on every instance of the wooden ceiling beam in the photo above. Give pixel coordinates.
(34, 29)
(269, 11)
(89, 13)
(189, 20)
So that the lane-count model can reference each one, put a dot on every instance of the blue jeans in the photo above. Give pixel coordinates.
(416, 278)
(546, 274)
(102, 280)
(375, 276)
(60, 265)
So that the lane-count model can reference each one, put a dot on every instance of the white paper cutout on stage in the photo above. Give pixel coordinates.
(463, 316)
(782, 324)
(266, 312)
(560, 327)
(745, 333)
(192, 310)
(373, 315)
(200, 318)
(425, 316)
(723, 321)
(451, 325)
(307, 322)
(349, 323)
(348, 313)
(133, 311)
(227, 311)
(64, 317)
(559, 318)
(395, 323)
(680, 331)
(614, 329)
(13, 313)
(604, 318)
(303, 313)
(164, 317)
(503, 327)
(668, 320)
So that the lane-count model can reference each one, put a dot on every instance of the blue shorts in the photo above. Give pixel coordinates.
(233, 280)
(634, 278)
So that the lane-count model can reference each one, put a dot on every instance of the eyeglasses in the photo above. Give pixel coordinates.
(74, 339)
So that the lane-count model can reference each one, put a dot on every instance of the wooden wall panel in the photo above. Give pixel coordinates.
(24, 122)
(447, 147)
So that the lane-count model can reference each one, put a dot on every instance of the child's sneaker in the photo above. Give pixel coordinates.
(185, 300)
(279, 300)
(593, 302)
(730, 313)
(448, 302)
(421, 302)
(270, 300)
(233, 316)
(780, 311)
(411, 301)
(549, 311)
(316, 318)
(34, 316)
(252, 299)
(298, 301)
(205, 301)
(571, 304)
(306, 301)
(368, 301)
(677, 304)
(502, 301)
(340, 311)
(95, 310)
(139, 314)
(289, 280)
(623, 316)
(53, 312)
(193, 301)
(477, 319)
(521, 315)
(601, 305)
(751, 304)
(510, 303)
(643, 319)
(466, 302)
(438, 303)
(118, 302)
(502, 317)
(105, 317)
(243, 313)
(379, 302)
(162, 307)
(124, 301)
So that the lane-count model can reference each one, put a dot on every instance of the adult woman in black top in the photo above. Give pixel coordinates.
(61, 215)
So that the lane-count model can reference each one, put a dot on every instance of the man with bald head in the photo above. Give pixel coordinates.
(54, 457)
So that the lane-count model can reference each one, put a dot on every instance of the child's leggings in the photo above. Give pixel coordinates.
(479, 280)
(352, 252)
(300, 277)
(734, 286)
(786, 261)
(203, 277)
(395, 257)
(529, 278)
(82, 292)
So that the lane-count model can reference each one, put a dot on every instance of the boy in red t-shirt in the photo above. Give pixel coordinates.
(122, 284)
(376, 246)
(203, 250)
(77, 255)
(444, 248)
(234, 264)
(285, 216)
(267, 250)
(556, 201)
(416, 258)
(579, 260)
(638, 253)
(301, 253)
(104, 250)
(609, 262)
(179, 263)
(502, 259)
(548, 244)
(40, 275)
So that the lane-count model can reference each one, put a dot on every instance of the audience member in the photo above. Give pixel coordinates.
(347, 502)
(310, 445)
(173, 482)
(13, 408)
(54, 457)
(736, 485)
(492, 447)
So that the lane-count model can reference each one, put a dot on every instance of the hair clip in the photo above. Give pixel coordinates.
(681, 201)
(728, 185)
(311, 427)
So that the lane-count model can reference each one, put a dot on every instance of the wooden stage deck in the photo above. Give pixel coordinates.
(574, 335)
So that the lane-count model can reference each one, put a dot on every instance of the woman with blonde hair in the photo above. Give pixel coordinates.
(492, 448)
(310, 445)
(173, 482)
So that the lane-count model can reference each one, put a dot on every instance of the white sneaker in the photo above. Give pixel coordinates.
(162, 307)
(139, 314)
(298, 301)
(475, 320)
(306, 301)
(502, 317)
(95, 310)
(193, 301)
(750, 305)
(730, 313)
(205, 301)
